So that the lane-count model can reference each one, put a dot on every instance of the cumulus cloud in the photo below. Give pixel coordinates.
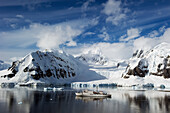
(115, 50)
(147, 43)
(112, 7)
(44, 36)
(115, 13)
(123, 50)
(110, 50)
(54, 36)
(131, 34)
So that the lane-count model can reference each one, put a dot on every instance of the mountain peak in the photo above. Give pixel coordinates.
(50, 67)
(154, 62)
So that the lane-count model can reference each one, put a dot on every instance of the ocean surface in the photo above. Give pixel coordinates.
(123, 100)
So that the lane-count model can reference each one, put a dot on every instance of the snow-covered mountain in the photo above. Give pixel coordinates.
(150, 67)
(93, 57)
(153, 62)
(50, 68)
(98, 62)
(3, 65)
(92, 67)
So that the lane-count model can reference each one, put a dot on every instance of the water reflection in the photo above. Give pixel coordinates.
(24, 100)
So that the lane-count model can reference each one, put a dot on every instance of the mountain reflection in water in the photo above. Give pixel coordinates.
(24, 100)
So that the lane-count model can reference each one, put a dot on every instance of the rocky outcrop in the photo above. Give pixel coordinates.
(153, 62)
(140, 70)
(138, 53)
(52, 66)
(163, 69)
(95, 59)
(49, 67)
(93, 56)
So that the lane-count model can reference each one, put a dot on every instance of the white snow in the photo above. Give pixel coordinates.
(3, 65)
(53, 61)
(95, 69)
(149, 61)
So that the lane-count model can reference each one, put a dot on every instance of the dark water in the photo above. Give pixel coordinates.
(27, 100)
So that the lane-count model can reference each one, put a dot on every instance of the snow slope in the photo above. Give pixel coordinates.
(152, 66)
(3, 65)
(93, 56)
(153, 62)
(49, 68)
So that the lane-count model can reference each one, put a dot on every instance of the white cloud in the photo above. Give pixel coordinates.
(10, 55)
(131, 34)
(13, 26)
(19, 16)
(147, 43)
(166, 36)
(95, 21)
(104, 34)
(110, 50)
(114, 11)
(115, 19)
(51, 38)
(86, 4)
(12, 20)
(162, 29)
(44, 36)
(123, 50)
(88, 33)
(71, 43)
(112, 7)
(115, 50)
(144, 43)
(153, 34)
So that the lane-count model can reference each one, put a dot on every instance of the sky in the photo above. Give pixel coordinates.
(117, 28)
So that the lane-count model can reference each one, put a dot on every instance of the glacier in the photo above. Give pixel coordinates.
(142, 69)
(91, 68)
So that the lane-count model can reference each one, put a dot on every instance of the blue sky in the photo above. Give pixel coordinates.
(113, 26)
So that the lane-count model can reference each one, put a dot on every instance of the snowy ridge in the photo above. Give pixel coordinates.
(49, 68)
(93, 57)
(151, 67)
(98, 62)
(154, 62)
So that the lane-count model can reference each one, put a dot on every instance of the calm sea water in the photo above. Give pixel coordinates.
(28, 100)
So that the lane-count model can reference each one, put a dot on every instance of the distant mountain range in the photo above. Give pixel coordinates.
(91, 67)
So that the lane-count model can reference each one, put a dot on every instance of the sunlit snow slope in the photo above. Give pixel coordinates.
(50, 68)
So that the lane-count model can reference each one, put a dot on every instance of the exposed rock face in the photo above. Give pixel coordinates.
(138, 53)
(140, 70)
(50, 67)
(163, 69)
(93, 57)
(153, 62)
